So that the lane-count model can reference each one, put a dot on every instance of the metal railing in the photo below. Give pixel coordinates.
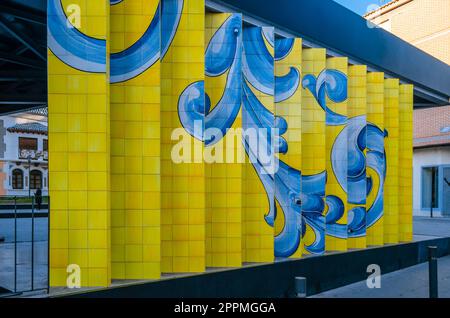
(24, 245)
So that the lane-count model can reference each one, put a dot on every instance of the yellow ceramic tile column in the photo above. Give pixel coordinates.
(313, 151)
(223, 171)
(182, 184)
(375, 117)
(257, 236)
(405, 163)
(356, 180)
(135, 140)
(290, 110)
(79, 148)
(336, 229)
(391, 193)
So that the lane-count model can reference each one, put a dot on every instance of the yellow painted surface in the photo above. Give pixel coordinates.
(391, 143)
(405, 163)
(313, 128)
(223, 179)
(182, 185)
(79, 161)
(135, 153)
(332, 132)
(290, 110)
(357, 106)
(375, 115)
(257, 235)
(122, 208)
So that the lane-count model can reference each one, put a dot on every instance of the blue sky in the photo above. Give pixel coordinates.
(360, 6)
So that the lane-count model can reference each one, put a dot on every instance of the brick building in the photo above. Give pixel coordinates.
(423, 23)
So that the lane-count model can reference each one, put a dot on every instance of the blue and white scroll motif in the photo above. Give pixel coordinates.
(88, 54)
(332, 84)
(152, 46)
(223, 54)
(258, 65)
(70, 45)
(358, 137)
(376, 160)
(355, 133)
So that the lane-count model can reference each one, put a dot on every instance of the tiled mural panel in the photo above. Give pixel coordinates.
(313, 151)
(406, 162)
(79, 130)
(336, 105)
(202, 141)
(182, 182)
(223, 92)
(356, 147)
(391, 146)
(258, 119)
(135, 135)
(375, 158)
(288, 98)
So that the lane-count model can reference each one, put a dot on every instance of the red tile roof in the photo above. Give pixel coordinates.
(432, 126)
(31, 128)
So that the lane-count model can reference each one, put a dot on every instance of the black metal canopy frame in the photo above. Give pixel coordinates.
(23, 55)
(23, 41)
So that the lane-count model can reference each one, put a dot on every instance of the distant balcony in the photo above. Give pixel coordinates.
(32, 154)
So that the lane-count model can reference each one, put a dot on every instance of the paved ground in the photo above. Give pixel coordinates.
(23, 229)
(411, 282)
(424, 228)
(23, 253)
(431, 226)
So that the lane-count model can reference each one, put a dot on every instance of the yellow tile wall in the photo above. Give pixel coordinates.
(223, 180)
(257, 235)
(405, 162)
(182, 185)
(79, 162)
(391, 142)
(135, 152)
(332, 132)
(313, 127)
(375, 115)
(122, 208)
(291, 111)
(357, 106)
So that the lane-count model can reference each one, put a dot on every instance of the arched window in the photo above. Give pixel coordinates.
(17, 179)
(35, 179)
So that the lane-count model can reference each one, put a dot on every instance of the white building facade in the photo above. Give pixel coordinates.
(24, 153)
(431, 162)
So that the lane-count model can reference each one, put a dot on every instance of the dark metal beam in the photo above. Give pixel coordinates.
(23, 99)
(23, 12)
(279, 276)
(329, 25)
(18, 51)
(22, 38)
(6, 109)
(19, 79)
(24, 74)
(21, 61)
